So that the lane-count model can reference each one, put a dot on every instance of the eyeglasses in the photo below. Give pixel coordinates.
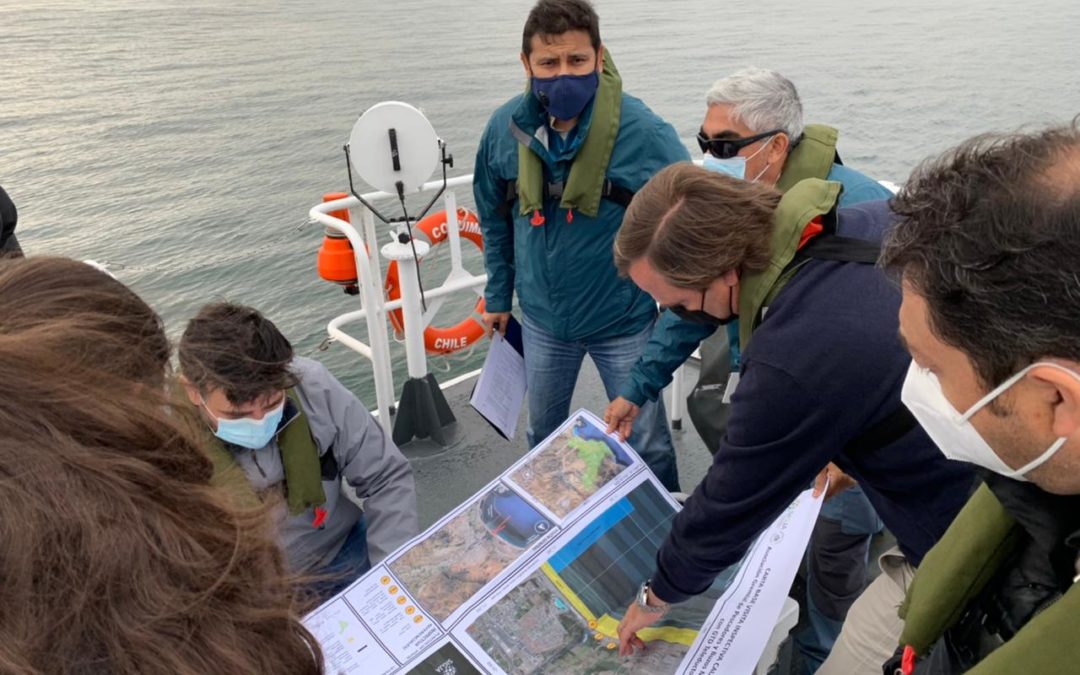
(726, 148)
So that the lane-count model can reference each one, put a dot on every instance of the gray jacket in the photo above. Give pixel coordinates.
(366, 458)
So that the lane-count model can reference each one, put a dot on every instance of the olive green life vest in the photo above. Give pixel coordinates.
(585, 184)
(299, 457)
(805, 170)
(956, 570)
(813, 157)
(800, 204)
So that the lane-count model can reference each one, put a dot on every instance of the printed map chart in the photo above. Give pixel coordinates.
(533, 574)
(568, 468)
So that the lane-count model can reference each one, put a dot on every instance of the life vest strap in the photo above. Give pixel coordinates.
(609, 191)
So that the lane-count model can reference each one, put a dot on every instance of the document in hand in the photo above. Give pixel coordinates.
(533, 574)
(500, 389)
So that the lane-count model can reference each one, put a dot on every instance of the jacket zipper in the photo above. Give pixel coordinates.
(255, 460)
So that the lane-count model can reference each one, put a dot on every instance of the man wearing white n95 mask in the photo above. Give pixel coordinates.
(986, 250)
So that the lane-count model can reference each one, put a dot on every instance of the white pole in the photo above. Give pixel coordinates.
(675, 409)
(384, 396)
(372, 239)
(452, 232)
(376, 323)
(415, 355)
(383, 371)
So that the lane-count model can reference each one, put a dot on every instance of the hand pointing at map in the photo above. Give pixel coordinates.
(637, 618)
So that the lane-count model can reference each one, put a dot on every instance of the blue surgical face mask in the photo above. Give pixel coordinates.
(565, 96)
(734, 166)
(247, 432)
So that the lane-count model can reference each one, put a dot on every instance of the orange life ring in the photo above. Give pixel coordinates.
(442, 340)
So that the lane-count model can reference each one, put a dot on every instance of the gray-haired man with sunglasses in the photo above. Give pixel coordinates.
(753, 130)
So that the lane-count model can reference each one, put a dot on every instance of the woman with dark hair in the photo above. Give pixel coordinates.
(118, 555)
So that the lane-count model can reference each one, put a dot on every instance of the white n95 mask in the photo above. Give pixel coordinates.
(953, 432)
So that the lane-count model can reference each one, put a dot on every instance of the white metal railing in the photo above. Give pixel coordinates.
(373, 303)
(374, 306)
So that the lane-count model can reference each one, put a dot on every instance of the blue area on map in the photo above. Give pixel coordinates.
(590, 535)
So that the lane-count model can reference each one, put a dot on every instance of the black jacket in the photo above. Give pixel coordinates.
(824, 366)
(9, 217)
(1037, 575)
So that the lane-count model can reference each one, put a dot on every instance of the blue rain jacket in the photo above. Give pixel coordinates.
(562, 270)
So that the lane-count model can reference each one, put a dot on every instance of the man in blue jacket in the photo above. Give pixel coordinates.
(555, 170)
(753, 129)
(820, 378)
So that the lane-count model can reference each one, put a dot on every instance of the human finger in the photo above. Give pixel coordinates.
(820, 482)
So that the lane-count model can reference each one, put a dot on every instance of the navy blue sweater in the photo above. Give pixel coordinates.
(824, 365)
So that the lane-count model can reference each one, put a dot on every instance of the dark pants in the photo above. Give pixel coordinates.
(552, 367)
(836, 570)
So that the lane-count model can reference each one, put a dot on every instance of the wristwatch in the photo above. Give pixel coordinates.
(642, 600)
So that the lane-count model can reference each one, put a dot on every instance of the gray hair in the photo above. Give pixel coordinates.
(762, 100)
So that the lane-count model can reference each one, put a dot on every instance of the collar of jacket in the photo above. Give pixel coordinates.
(598, 127)
(299, 458)
(799, 205)
(813, 157)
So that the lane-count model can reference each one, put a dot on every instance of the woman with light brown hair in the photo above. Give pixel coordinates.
(117, 554)
(110, 328)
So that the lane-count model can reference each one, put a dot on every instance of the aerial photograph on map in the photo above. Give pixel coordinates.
(450, 565)
(576, 463)
(535, 630)
(563, 617)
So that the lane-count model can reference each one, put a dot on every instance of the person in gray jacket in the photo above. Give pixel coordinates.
(293, 429)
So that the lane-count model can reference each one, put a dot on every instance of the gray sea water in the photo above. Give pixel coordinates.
(185, 142)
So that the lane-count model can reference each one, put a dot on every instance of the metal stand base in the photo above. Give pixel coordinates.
(422, 412)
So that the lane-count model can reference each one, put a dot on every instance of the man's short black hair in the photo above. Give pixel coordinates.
(238, 350)
(989, 235)
(555, 17)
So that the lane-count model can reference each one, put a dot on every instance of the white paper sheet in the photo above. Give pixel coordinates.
(500, 389)
(743, 618)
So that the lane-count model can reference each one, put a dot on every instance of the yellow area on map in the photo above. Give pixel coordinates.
(609, 625)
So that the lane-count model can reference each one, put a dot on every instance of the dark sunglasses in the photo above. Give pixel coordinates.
(726, 148)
